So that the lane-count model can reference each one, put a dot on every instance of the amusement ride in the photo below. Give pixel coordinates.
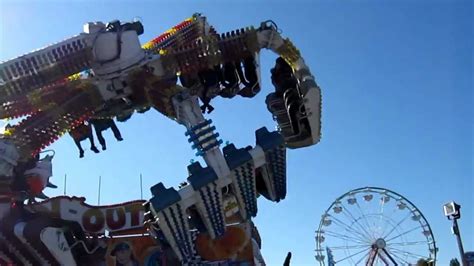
(374, 226)
(105, 74)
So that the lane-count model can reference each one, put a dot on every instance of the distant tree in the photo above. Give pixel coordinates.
(454, 262)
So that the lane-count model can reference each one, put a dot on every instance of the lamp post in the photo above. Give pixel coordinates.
(453, 212)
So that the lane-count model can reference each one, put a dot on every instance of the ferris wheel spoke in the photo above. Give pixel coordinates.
(397, 225)
(361, 229)
(407, 243)
(406, 253)
(352, 230)
(372, 222)
(404, 233)
(350, 247)
(352, 255)
(389, 218)
(363, 214)
(346, 237)
(382, 208)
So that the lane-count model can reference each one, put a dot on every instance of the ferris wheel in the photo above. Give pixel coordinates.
(373, 226)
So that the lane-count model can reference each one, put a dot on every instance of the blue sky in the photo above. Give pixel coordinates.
(397, 108)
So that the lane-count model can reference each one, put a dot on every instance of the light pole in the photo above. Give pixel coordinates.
(453, 212)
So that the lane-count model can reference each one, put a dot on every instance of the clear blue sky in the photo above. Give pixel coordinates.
(397, 107)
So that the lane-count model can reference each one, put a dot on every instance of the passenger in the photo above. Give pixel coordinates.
(104, 124)
(80, 133)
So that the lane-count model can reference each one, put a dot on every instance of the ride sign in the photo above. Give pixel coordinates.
(94, 219)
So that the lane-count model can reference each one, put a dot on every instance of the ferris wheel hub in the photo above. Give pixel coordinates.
(380, 243)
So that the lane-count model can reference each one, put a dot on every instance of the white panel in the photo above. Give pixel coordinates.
(57, 244)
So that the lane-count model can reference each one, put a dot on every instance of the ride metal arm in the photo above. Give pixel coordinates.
(214, 59)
